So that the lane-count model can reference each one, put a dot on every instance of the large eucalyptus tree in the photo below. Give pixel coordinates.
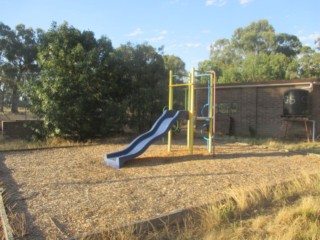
(18, 61)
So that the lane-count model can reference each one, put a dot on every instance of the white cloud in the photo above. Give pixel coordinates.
(160, 35)
(311, 37)
(183, 45)
(137, 31)
(192, 45)
(155, 39)
(218, 3)
(244, 2)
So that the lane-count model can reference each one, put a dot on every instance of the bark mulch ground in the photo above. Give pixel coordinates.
(69, 191)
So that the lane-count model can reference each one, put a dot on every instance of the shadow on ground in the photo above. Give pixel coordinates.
(17, 202)
(155, 161)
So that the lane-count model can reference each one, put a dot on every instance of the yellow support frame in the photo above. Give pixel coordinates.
(210, 107)
(190, 134)
(170, 103)
(190, 109)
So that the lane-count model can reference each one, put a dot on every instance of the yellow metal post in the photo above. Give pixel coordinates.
(214, 112)
(210, 89)
(191, 112)
(170, 106)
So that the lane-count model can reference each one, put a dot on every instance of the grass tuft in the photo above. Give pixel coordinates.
(313, 147)
(286, 211)
(18, 144)
(17, 221)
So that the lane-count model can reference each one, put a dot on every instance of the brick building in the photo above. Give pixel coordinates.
(256, 109)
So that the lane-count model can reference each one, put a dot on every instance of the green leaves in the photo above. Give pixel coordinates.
(141, 72)
(88, 89)
(257, 37)
(257, 53)
(71, 94)
(18, 53)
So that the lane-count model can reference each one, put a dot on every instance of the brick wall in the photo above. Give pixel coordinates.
(256, 109)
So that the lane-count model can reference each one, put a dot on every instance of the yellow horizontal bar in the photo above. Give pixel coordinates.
(203, 118)
(180, 85)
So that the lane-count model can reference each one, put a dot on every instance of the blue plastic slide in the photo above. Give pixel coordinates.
(141, 143)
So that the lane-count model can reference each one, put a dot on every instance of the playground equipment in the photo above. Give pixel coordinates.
(168, 118)
(210, 126)
(141, 143)
(210, 118)
(175, 126)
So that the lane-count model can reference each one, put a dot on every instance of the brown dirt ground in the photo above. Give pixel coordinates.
(69, 191)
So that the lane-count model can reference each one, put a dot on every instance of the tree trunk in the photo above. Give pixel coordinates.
(15, 100)
(2, 102)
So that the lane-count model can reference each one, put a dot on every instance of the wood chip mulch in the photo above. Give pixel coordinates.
(69, 191)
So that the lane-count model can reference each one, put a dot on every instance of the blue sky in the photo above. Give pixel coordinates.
(185, 28)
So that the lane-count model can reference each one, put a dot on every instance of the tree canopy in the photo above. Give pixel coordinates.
(18, 54)
(71, 94)
(144, 80)
(86, 88)
(256, 38)
(257, 53)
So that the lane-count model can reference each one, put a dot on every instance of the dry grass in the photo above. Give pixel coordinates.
(313, 147)
(2, 237)
(286, 211)
(16, 144)
(17, 220)
(17, 223)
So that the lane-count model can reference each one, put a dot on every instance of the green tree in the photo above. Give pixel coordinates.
(177, 66)
(308, 63)
(180, 75)
(317, 42)
(224, 60)
(287, 44)
(223, 52)
(256, 53)
(264, 67)
(144, 79)
(257, 37)
(73, 93)
(18, 54)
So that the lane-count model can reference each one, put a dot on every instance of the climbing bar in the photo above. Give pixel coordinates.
(203, 118)
(179, 85)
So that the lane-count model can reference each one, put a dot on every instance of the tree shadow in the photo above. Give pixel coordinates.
(155, 161)
(230, 156)
(17, 202)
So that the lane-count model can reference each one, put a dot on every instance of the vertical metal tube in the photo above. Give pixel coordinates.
(210, 112)
(191, 113)
(170, 106)
(214, 113)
